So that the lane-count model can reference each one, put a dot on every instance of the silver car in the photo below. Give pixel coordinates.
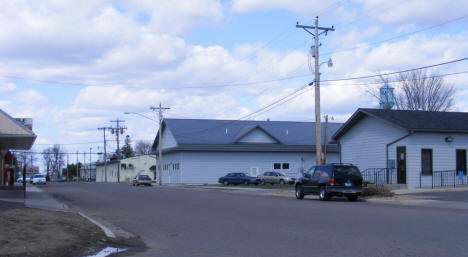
(275, 177)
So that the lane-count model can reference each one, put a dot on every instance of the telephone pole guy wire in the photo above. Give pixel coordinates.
(317, 32)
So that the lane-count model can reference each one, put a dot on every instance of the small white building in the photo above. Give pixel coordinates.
(416, 148)
(201, 151)
(128, 168)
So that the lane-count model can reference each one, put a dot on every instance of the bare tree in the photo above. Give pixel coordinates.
(420, 90)
(53, 159)
(142, 147)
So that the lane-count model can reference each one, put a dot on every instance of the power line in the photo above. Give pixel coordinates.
(396, 37)
(396, 72)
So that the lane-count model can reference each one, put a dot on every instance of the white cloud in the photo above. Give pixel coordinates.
(7, 87)
(414, 11)
(304, 7)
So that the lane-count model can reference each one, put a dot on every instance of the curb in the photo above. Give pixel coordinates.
(106, 230)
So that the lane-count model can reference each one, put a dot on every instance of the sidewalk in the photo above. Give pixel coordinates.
(430, 190)
(35, 198)
(42, 226)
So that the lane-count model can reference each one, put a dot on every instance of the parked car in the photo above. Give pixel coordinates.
(38, 179)
(142, 180)
(330, 180)
(237, 178)
(274, 177)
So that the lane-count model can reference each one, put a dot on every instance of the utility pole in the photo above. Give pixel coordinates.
(316, 34)
(67, 167)
(325, 141)
(105, 153)
(160, 110)
(77, 170)
(90, 149)
(118, 129)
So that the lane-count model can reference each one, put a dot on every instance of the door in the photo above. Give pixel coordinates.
(254, 171)
(401, 165)
(307, 179)
(461, 160)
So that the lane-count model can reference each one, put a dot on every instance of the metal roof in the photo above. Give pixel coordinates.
(222, 135)
(415, 121)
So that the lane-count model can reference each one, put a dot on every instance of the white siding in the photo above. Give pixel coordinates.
(207, 167)
(168, 139)
(257, 136)
(443, 154)
(9, 127)
(365, 143)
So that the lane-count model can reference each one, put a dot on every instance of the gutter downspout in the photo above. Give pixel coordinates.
(391, 143)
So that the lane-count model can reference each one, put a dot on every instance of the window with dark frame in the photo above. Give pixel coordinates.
(285, 166)
(426, 161)
(277, 166)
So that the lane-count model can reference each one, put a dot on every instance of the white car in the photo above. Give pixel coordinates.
(20, 179)
(38, 179)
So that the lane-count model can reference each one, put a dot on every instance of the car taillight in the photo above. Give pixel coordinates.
(362, 183)
(332, 182)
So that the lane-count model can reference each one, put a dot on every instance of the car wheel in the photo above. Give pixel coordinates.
(262, 182)
(281, 182)
(226, 183)
(323, 196)
(246, 183)
(299, 192)
(352, 198)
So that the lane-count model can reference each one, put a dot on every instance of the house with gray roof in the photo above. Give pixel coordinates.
(416, 148)
(202, 150)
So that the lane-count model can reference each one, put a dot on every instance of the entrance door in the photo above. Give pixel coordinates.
(401, 165)
(461, 160)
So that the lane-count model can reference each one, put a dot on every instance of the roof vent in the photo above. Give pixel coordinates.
(226, 131)
(287, 132)
(268, 119)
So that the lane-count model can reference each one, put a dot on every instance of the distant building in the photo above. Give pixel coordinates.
(88, 172)
(201, 151)
(129, 168)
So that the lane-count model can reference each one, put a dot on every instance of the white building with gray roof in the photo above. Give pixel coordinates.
(200, 150)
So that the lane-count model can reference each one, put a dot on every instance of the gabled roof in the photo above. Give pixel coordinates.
(248, 129)
(204, 134)
(414, 121)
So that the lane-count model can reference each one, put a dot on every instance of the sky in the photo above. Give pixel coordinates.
(73, 66)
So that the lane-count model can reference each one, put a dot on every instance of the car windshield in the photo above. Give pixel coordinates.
(346, 172)
(39, 176)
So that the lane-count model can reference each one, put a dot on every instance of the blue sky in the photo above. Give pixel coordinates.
(73, 67)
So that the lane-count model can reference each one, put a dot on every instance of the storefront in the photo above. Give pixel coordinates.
(14, 135)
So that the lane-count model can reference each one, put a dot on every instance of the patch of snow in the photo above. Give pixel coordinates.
(108, 251)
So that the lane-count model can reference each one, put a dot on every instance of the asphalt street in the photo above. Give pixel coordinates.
(174, 221)
(457, 196)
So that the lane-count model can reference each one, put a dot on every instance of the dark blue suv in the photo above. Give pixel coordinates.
(329, 180)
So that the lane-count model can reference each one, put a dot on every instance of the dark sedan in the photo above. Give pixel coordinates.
(237, 178)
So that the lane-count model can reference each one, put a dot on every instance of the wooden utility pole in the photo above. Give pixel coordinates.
(118, 130)
(316, 34)
(160, 110)
(325, 139)
(105, 152)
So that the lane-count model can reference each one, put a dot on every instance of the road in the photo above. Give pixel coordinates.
(174, 221)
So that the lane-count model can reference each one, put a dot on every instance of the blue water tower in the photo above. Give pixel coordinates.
(387, 100)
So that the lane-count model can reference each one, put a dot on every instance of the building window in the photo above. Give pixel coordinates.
(277, 166)
(426, 161)
(285, 166)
